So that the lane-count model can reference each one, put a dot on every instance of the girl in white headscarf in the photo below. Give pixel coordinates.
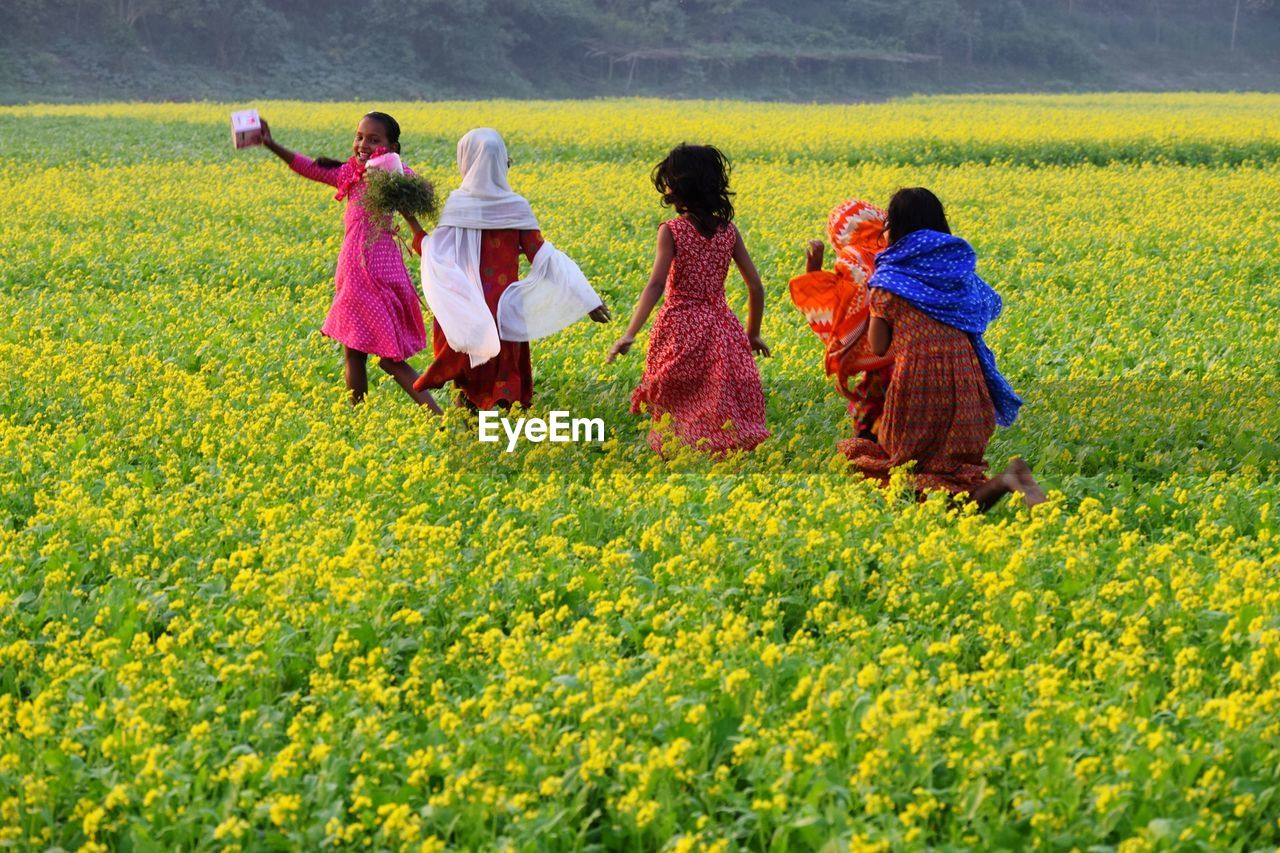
(485, 315)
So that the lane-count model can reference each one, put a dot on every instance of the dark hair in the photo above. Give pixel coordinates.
(694, 179)
(390, 127)
(915, 209)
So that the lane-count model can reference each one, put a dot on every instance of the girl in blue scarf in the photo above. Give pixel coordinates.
(946, 395)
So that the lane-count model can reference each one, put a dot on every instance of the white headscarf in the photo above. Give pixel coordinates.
(551, 297)
(485, 199)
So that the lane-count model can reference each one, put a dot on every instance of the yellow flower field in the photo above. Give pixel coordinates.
(236, 613)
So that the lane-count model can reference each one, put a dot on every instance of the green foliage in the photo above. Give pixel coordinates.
(234, 611)
(442, 48)
(386, 193)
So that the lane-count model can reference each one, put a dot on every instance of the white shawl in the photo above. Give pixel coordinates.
(553, 295)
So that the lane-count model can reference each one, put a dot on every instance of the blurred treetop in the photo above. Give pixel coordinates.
(808, 49)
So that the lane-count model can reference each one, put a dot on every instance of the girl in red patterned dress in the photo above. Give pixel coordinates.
(375, 305)
(945, 396)
(699, 369)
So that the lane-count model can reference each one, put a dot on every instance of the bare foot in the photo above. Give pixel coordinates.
(1008, 480)
(1024, 483)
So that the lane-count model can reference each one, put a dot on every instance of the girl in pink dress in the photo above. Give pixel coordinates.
(375, 305)
(700, 369)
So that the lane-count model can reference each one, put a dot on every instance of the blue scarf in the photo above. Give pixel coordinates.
(935, 272)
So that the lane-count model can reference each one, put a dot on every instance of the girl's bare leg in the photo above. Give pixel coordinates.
(404, 375)
(1016, 477)
(357, 373)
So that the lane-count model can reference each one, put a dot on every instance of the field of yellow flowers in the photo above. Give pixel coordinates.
(236, 613)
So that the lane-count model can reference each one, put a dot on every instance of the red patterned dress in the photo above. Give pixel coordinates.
(699, 368)
(507, 378)
(937, 412)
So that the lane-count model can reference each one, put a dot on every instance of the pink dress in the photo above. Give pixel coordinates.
(699, 367)
(375, 305)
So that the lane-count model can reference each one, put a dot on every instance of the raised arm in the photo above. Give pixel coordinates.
(650, 295)
(813, 255)
(274, 147)
(303, 165)
(755, 295)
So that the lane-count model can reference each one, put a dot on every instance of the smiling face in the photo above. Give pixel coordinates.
(370, 135)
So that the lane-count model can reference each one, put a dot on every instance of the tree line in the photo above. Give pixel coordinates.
(824, 49)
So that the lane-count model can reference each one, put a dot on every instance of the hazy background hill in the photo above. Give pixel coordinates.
(798, 49)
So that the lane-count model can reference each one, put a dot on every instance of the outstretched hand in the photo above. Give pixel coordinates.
(600, 314)
(620, 347)
(759, 346)
(269, 142)
(813, 255)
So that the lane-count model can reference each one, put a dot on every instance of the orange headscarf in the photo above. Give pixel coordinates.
(835, 303)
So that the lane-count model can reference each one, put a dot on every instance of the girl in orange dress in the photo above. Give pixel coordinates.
(835, 304)
(945, 396)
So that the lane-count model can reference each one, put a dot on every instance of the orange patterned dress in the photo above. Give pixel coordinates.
(938, 411)
(835, 305)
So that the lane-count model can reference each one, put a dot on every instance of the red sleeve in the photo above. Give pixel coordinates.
(530, 243)
(881, 303)
(307, 168)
